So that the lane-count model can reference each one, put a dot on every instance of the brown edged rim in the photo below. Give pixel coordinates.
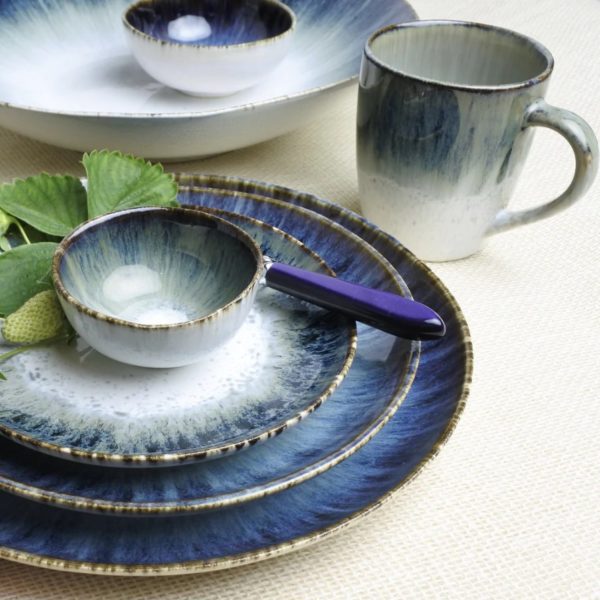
(222, 225)
(198, 454)
(291, 480)
(239, 560)
(210, 48)
(424, 24)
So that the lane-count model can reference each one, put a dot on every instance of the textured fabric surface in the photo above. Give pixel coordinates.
(509, 509)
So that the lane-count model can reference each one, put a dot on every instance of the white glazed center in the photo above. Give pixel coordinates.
(132, 293)
(189, 28)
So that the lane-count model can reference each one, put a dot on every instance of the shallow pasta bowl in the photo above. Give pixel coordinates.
(79, 86)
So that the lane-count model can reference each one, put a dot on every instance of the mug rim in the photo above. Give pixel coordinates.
(530, 42)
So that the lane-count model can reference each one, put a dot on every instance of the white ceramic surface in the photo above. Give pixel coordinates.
(67, 78)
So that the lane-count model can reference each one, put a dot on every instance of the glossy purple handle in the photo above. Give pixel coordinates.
(383, 310)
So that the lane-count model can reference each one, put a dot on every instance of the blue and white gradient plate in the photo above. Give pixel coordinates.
(67, 78)
(355, 412)
(45, 536)
(286, 359)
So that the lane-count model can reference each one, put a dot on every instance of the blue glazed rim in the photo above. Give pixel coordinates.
(347, 449)
(392, 250)
(200, 218)
(179, 457)
(126, 19)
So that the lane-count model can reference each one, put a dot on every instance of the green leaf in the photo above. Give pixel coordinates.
(4, 244)
(24, 272)
(2, 376)
(53, 204)
(117, 181)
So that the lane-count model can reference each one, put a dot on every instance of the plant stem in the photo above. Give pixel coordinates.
(22, 232)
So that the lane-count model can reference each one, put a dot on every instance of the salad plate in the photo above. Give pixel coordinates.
(46, 536)
(67, 78)
(284, 362)
(354, 413)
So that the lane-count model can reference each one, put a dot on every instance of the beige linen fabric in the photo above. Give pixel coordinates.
(510, 508)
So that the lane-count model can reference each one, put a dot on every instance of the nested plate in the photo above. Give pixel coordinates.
(283, 363)
(355, 412)
(67, 78)
(45, 536)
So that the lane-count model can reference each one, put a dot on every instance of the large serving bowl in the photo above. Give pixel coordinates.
(79, 87)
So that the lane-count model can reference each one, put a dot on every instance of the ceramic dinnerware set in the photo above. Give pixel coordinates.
(110, 467)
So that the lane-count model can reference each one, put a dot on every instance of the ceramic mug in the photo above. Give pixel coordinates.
(445, 117)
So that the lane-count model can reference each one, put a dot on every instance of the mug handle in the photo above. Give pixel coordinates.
(585, 146)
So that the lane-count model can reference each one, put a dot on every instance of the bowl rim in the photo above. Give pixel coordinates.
(526, 41)
(223, 226)
(205, 47)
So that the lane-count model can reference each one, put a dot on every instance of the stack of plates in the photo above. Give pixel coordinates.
(116, 476)
(107, 468)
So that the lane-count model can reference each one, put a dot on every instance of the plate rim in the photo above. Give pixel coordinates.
(240, 559)
(199, 454)
(284, 482)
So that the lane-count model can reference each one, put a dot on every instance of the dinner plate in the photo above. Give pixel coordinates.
(283, 363)
(45, 536)
(355, 412)
(67, 78)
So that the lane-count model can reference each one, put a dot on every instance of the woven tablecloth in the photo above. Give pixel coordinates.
(511, 506)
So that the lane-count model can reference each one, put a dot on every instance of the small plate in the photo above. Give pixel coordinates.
(67, 78)
(284, 362)
(45, 536)
(354, 413)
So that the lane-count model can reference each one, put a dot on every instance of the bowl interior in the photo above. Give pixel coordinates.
(157, 267)
(210, 22)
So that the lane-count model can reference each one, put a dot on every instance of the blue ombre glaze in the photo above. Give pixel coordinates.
(76, 404)
(201, 267)
(95, 95)
(315, 508)
(230, 21)
(371, 391)
(444, 124)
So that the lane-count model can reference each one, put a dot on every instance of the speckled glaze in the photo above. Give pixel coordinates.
(247, 40)
(95, 95)
(445, 117)
(283, 363)
(52, 538)
(353, 414)
(204, 267)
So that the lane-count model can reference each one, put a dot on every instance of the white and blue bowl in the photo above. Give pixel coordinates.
(157, 287)
(209, 47)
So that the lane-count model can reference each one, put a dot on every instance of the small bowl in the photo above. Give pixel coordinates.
(209, 47)
(157, 287)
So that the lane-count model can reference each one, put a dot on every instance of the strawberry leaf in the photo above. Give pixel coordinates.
(117, 182)
(53, 204)
(24, 272)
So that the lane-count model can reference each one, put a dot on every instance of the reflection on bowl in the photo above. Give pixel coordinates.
(209, 47)
(157, 287)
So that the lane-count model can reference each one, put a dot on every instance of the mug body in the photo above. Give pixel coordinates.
(440, 134)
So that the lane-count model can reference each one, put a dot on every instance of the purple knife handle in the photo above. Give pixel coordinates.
(383, 310)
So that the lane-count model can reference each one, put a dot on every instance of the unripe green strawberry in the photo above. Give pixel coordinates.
(5, 222)
(40, 318)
